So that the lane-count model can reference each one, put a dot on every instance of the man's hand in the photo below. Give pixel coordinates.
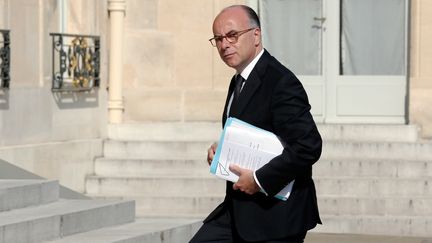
(211, 152)
(246, 182)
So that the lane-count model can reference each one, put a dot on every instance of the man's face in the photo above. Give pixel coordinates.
(239, 54)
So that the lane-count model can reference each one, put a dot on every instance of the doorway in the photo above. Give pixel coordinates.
(350, 55)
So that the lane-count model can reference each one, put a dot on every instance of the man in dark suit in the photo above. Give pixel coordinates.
(268, 96)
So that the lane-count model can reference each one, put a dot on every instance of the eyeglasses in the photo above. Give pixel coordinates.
(231, 37)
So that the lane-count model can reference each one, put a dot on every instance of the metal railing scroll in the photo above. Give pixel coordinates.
(76, 62)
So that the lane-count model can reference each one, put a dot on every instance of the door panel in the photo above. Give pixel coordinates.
(295, 37)
(350, 55)
(370, 83)
(292, 34)
(357, 98)
(372, 37)
(315, 92)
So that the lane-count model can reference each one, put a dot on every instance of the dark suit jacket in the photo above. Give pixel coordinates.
(275, 100)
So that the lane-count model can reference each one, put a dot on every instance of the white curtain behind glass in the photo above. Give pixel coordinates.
(291, 34)
(373, 37)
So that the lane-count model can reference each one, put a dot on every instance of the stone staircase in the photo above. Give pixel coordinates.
(376, 183)
(31, 212)
(371, 179)
(161, 166)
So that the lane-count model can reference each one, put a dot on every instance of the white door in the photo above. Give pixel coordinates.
(350, 55)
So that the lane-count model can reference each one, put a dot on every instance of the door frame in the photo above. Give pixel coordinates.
(338, 86)
(337, 98)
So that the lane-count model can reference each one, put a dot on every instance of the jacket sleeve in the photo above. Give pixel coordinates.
(292, 122)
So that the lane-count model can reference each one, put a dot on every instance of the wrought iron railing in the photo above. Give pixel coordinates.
(4, 59)
(76, 62)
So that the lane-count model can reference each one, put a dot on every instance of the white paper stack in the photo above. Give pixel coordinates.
(247, 146)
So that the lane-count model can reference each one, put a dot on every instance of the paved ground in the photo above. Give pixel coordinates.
(350, 238)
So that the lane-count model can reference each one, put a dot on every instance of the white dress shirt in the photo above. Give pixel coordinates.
(245, 75)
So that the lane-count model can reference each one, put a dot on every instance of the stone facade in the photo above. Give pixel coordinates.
(171, 72)
(176, 67)
(420, 88)
(55, 135)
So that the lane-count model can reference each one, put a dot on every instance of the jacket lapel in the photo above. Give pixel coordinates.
(251, 85)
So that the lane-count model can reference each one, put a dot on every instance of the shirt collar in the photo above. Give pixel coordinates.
(246, 72)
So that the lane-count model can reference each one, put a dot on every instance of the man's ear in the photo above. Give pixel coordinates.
(257, 34)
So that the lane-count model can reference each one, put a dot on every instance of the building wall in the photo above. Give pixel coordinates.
(56, 135)
(171, 72)
(420, 102)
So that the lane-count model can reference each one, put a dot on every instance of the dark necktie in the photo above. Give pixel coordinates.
(238, 84)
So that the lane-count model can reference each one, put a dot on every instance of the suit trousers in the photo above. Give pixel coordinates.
(221, 230)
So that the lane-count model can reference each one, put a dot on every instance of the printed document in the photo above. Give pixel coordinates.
(247, 146)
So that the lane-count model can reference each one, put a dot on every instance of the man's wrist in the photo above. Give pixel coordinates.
(259, 185)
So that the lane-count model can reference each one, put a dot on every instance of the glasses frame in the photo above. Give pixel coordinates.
(233, 35)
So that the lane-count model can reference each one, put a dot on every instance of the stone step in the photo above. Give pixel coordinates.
(143, 230)
(194, 185)
(377, 150)
(165, 131)
(200, 206)
(376, 225)
(182, 206)
(382, 186)
(137, 167)
(324, 167)
(375, 205)
(16, 194)
(369, 132)
(152, 185)
(208, 131)
(62, 218)
(192, 150)
(155, 150)
(372, 167)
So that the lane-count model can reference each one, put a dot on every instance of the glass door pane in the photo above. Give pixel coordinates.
(372, 37)
(292, 32)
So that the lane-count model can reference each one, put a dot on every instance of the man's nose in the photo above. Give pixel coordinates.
(224, 43)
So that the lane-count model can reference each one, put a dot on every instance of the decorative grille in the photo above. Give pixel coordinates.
(76, 62)
(4, 59)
